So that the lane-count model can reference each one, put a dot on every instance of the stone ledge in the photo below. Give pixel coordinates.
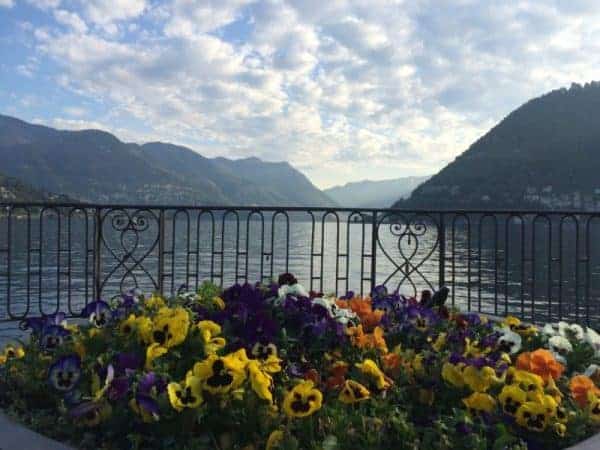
(15, 436)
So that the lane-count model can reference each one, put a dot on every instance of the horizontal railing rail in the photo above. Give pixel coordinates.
(538, 265)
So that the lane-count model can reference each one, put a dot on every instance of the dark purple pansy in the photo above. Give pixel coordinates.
(149, 381)
(148, 405)
(118, 388)
(53, 336)
(128, 362)
(349, 295)
(37, 324)
(379, 291)
(65, 373)
(87, 412)
(98, 313)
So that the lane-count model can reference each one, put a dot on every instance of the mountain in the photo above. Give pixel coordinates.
(373, 194)
(95, 166)
(13, 190)
(545, 154)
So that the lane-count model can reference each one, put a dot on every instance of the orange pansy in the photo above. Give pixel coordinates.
(542, 363)
(580, 385)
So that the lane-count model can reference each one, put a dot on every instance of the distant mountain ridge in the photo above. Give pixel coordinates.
(545, 154)
(374, 194)
(95, 166)
(13, 190)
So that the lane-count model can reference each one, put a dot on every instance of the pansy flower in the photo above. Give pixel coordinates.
(540, 362)
(581, 386)
(263, 351)
(128, 326)
(453, 374)
(511, 398)
(11, 352)
(509, 341)
(98, 313)
(90, 413)
(370, 369)
(220, 375)
(480, 379)
(533, 416)
(571, 331)
(560, 348)
(37, 324)
(53, 337)
(353, 392)
(187, 394)
(146, 407)
(210, 331)
(153, 352)
(593, 407)
(170, 326)
(303, 400)
(479, 402)
(65, 373)
(260, 381)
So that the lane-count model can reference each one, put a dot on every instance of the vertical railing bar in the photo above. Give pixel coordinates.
(172, 251)
(374, 240)
(187, 247)
(312, 248)
(161, 251)
(348, 220)
(237, 247)
(506, 257)
(549, 270)
(442, 255)
(58, 255)
(197, 269)
(362, 254)
(587, 269)
(560, 266)
(322, 251)
(97, 254)
(576, 269)
(9, 264)
(41, 220)
(468, 217)
(522, 266)
(454, 260)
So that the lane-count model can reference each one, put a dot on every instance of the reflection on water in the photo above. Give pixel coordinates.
(530, 269)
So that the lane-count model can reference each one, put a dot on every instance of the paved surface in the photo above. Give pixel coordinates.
(16, 437)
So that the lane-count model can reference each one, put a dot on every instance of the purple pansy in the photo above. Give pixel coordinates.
(65, 373)
(53, 336)
(98, 313)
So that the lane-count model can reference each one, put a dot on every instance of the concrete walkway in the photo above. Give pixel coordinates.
(14, 436)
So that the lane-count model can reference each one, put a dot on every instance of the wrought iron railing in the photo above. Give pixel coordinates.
(537, 265)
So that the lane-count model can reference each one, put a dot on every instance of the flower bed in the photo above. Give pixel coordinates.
(273, 366)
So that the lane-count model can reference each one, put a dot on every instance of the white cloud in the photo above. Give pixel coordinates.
(70, 19)
(353, 88)
(45, 4)
(7, 3)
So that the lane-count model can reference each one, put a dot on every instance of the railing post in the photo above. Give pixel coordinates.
(97, 254)
(442, 262)
(374, 237)
(161, 250)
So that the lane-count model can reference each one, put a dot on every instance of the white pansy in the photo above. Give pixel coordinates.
(593, 338)
(549, 330)
(341, 315)
(571, 330)
(296, 290)
(510, 341)
(560, 344)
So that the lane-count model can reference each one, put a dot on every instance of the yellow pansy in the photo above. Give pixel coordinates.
(480, 402)
(452, 373)
(128, 326)
(479, 380)
(439, 342)
(218, 303)
(11, 352)
(560, 429)
(260, 381)
(531, 383)
(511, 398)
(220, 375)
(152, 352)
(353, 392)
(170, 326)
(472, 349)
(155, 302)
(532, 415)
(303, 400)
(144, 326)
(210, 332)
(187, 394)
(593, 407)
(275, 439)
(369, 368)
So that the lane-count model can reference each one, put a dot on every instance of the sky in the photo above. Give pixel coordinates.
(342, 90)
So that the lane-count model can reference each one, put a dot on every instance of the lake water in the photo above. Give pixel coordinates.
(541, 269)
